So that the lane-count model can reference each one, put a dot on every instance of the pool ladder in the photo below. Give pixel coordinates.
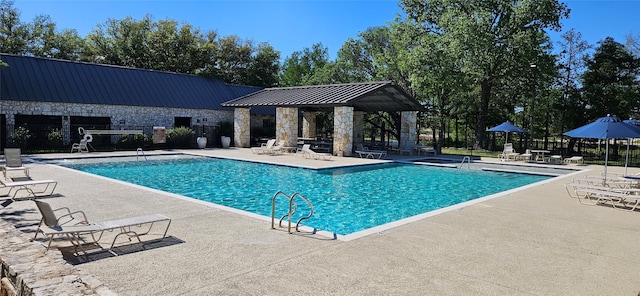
(293, 207)
(468, 160)
(140, 151)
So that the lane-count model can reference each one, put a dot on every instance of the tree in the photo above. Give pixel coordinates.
(301, 67)
(264, 67)
(633, 44)
(570, 66)
(490, 39)
(610, 83)
(233, 57)
(164, 45)
(14, 35)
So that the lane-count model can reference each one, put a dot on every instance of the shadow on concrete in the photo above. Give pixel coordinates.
(96, 252)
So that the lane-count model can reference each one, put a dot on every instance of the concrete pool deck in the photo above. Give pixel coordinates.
(536, 241)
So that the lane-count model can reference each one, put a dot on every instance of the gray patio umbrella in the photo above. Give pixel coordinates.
(507, 127)
(635, 123)
(605, 128)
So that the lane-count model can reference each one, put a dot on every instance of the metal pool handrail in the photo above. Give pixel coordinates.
(293, 206)
(468, 159)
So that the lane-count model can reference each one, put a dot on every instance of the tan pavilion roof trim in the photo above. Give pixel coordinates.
(365, 96)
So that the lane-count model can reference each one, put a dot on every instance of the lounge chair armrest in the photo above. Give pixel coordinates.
(63, 208)
(70, 217)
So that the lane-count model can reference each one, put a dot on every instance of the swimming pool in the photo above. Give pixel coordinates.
(346, 200)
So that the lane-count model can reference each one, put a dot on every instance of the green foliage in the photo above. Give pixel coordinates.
(488, 43)
(180, 137)
(134, 141)
(301, 68)
(20, 138)
(610, 84)
(264, 67)
(54, 138)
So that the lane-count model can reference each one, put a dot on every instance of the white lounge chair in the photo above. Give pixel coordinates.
(307, 153)
(264, 147)
(364, 152)
(526, 156)
(508, 152)
(574, 159)
(275, 149)
(13, 162)
(34, 188)
(74, 225)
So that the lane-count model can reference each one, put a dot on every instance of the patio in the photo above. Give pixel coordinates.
(536, 241)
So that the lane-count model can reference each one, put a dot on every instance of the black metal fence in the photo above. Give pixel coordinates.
(43, 138)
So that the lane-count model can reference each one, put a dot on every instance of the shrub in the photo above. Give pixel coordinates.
(20, 137)
(180, 137)
(133, 141)
(54, 138)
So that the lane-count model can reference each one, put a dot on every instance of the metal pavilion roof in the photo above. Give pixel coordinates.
(52, 80)
(366, 96)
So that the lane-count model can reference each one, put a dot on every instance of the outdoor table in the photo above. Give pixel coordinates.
(539, 154)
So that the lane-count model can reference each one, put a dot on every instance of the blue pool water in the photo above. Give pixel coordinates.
(346, 200)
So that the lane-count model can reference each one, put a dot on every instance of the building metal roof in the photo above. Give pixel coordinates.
(366, 96)
(52, 80)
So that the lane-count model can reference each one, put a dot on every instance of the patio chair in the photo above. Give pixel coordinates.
(83, 146)
(34, 189)
(264, 147)
(13, 162)
(508, 152)
(307, 153)
(275, 149)
(618, 197)
(74, 225)
(574, 159)
(364, 152)
(526, 156)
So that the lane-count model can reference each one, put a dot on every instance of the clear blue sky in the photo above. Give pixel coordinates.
(292, 25)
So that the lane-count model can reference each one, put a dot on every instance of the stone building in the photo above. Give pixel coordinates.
(46, 94)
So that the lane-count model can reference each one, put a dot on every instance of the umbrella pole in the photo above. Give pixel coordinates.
(626, 159)
(606, 159)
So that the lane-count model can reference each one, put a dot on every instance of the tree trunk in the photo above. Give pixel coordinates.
(485, 96)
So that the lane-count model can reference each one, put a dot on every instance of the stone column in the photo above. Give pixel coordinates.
(66, 129)
(358, 128)
(309, 124)
(242, 127)
(342, 131)
(408, 121)
(287, 125)
(11, 124)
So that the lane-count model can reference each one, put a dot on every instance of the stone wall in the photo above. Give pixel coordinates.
(122, 116)
(27, 270)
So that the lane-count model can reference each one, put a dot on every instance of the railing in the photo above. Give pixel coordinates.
(293, 207)
(468, 160)
(140, 151)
